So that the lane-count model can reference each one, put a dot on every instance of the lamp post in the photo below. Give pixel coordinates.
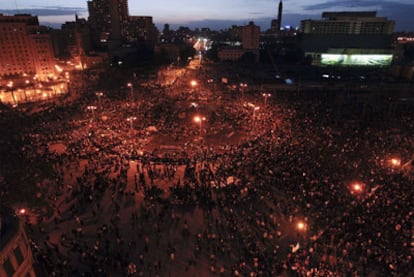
(243, 87)
(99, 94)
(199, 120)
(132, 91)
(193, 84)
(256, 108)
(92, 109)
(131, 120)
(265, 96)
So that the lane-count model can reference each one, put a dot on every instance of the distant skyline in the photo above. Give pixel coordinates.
(217, 14)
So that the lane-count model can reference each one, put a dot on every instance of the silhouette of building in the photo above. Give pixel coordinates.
(107, 18)
(15, 255)
(250, 35)
(112, 26)
(348, 38)
(276, 24)
(25, 47)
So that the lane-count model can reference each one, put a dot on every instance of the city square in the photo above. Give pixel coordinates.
(260, 138)
(158, 182)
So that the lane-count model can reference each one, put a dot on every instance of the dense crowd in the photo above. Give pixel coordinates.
(209, 207)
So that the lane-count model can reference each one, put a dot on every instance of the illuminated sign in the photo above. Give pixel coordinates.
(356, 60)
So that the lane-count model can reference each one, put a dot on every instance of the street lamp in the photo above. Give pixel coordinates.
(199, 120)
(92, 109)
(193, 84)
(131, 119)
(99, 94)
(265, 96)
(301, 226)
(132, 90)
(243, 87)
(256, 108)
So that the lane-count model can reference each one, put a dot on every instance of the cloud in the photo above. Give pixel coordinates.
(400, 12)
(47, 11)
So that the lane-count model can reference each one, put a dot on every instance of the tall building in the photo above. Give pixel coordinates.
(140, 28)
(364, 23)
(276, 24)
(15, 255)
(112, 26)
(26, 47)
(251, 36)
(105, 21)
(348, 38)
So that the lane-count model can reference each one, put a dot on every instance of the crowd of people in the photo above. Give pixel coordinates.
(301, 192)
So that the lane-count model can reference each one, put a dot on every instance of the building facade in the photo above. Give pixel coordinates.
(276, 24)
(112, 26)
(16, 258)
(348, 39)
(251, 36)
(26, 47)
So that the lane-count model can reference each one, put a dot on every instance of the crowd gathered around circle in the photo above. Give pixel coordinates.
(292, 189)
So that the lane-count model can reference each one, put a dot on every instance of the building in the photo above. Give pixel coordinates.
(15, 255)
(348, 39)
(26, 47)
(250, 35)
(76, 35)
(276, 24)
(112, 26)
(230, 54)
(140, 28)
(108, 19)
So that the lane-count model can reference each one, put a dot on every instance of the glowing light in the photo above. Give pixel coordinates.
(357, 187)
(22, 211)
(395, 162)
(198, 119)
(58, 68)
(355, 59)
(301, 226)
(193, 83)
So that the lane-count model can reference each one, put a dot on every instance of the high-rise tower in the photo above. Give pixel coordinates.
(108, 19)
(277, 23)
(279, 14)
(112, 25)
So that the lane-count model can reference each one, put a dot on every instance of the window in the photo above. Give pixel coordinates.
(19, 256)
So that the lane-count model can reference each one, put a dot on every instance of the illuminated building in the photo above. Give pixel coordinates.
(15, 255)
(348, 39)
(26, 47)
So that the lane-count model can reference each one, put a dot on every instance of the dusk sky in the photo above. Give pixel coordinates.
(218, 14)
